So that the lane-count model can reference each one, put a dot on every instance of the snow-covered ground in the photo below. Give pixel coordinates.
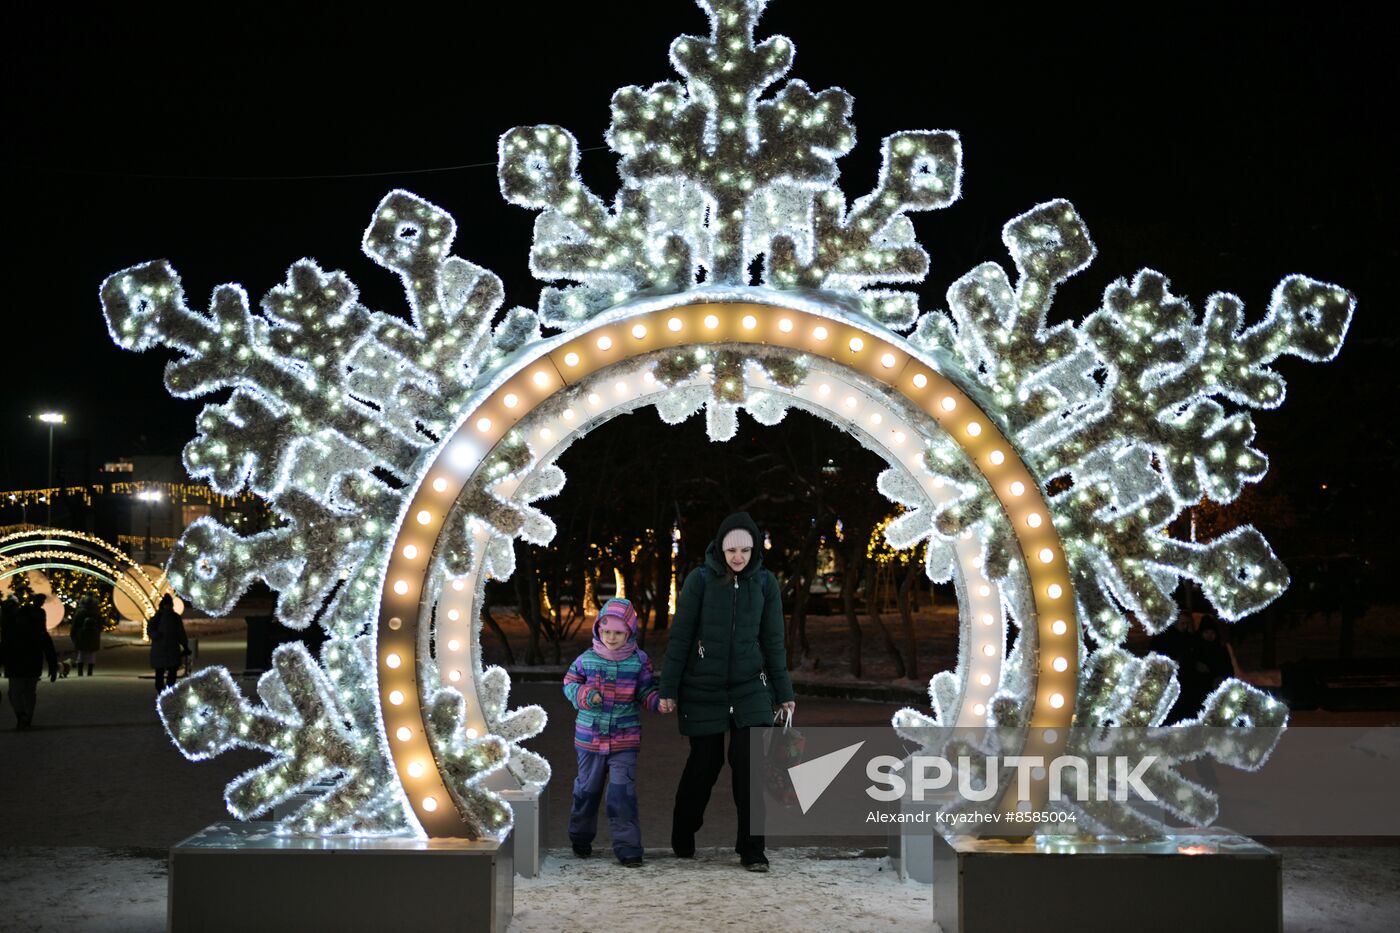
(90, 890)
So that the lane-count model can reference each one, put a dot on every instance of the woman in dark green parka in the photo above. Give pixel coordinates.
(725, 671)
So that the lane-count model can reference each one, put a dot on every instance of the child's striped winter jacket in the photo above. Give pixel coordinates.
(625, 687)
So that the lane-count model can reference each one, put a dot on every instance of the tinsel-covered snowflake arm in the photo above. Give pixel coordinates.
(301, 725)
(721, 137)
(875, 241)
(611, 253)
(1000, 328)
(303, 560)
(493, 687)
(233, 348)
(451, 300)
(467, 761)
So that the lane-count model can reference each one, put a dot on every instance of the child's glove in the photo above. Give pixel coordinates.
(593, 694)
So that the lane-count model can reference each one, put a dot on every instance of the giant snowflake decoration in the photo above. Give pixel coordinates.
(728, 194)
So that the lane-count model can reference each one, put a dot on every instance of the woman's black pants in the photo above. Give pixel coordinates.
(698, 779)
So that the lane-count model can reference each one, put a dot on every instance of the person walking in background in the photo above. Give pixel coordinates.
(25, 645)
(86, 632)
(169, 644)
(725, 671)
(609, 684)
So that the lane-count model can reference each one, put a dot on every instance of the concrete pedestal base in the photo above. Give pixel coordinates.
(240, 877)
(1202, 883)
(531, 820)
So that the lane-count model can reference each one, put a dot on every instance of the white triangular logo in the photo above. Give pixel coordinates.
(811, 778)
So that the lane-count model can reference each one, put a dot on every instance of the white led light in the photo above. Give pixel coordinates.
(980, 709)
(401, 587)
(605, 342)
(416, 769)
(785, 325)
(856, 344)
(749, 322)
(471, 733)
(674, 325)
(403, 733)
(985, 680)
(1057, 700)
(410, 551)
(1046, 555)
(1034, 519)
(459, 585)
(546, 434)
(639, 331)
(567, 414)
(396, 697)
(424, 516)
(1054, 591)
(454, 645)
(876, 418)
(984, 590)
(1060, 664)
(571, 359)
(483, 425)
(453, 615)
(454, 676)
(823, 390)
(1017, 488)
(510, 400)
(440, 485)
(989, 650)
(887, 360)
(430, 804)
(973, 428)
(819, 332)
(460, 455)
(1059, 627)
(920, 380)
(620, 387)
(711, 321)
(851, 401)
(392, 660)
(594, 398)
(997, 457)
(899, 437)
(948, 403)
(988, 618)
(541, 378)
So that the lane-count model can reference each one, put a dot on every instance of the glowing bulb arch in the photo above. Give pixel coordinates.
(59, 549)
(884, 374)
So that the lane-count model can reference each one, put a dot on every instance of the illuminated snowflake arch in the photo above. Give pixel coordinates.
(402, 458)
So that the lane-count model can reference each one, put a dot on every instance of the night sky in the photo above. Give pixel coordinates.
(1225, 149)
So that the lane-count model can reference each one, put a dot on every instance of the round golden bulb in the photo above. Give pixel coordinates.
(401, 587)
(410, 551)
(404, 733)
(674, 324)
(396, 697)
(920, 380)
(711, 321)
(510, 400)
(439, 485)
(605, 342)
(570, 359)
(639, 331)
(749, 322)
(483, 425)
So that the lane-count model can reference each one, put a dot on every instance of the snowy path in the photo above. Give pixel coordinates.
(807, 890)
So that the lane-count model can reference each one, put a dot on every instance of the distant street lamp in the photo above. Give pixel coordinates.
(148, 496)
(50, 418)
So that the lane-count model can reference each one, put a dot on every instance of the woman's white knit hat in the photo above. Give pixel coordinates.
(738, 537)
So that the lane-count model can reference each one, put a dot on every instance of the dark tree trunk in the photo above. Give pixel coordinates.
(906, 615)
(495, 626)
(526, 588)
(872, 609)
(850, 568)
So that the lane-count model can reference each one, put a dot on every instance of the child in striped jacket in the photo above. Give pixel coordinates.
(609, 684)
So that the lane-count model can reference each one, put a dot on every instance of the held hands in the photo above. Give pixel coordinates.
(667, 706)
